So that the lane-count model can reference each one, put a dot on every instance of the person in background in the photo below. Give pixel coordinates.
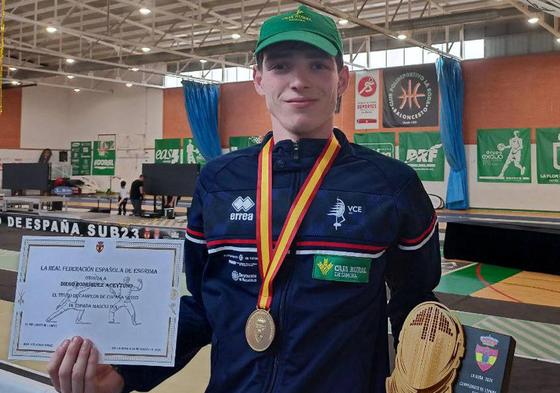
(123, 199)
(136, 195)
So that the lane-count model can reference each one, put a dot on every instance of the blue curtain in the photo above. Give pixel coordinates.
(450, 81)
(201, 104)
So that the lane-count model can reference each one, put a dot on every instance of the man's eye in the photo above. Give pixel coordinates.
(320, 66)
(278, 67)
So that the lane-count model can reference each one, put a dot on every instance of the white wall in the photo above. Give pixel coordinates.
(53, 117)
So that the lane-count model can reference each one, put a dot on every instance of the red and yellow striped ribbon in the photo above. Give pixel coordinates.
(270, 259)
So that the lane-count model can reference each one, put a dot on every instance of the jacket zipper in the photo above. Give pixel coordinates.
(280, 326)
(296, 151)
(286, 287)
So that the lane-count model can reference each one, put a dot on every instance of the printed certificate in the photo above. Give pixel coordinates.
(123, 294)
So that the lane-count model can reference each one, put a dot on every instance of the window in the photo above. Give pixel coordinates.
(361, 59)
(412, 55)
(431, 57)
(244, 74)
(171, 81)
(474, 49)
(214, 74)
(377, 59)
(395, 57)
(346, 59)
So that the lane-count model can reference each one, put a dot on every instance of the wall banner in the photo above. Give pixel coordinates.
(410, 97)
(241, 142)
(103, 158)
(366, 112)
(381, 142)
(168, 151)
(191, 154)
(548, 155)
(80, 158)
(504, 155)
(423, 151)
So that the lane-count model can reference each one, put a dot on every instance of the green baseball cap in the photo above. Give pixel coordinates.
(303, 25)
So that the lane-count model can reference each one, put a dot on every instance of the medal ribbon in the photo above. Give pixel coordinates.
(271, 258)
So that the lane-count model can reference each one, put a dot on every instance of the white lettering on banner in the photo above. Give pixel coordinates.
(421, 155)
(64, 226)
(75, 229)
(69, 228)
(493, 155)
(168, 154)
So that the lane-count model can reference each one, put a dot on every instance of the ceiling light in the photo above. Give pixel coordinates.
(129, 84)
(343, 22)
(235, 36)
(402, 36)
(146, 49)
(134, 69)
(533, 20)
(70, 61)
(12, 68)
(70, 76)
(145, 11)
(76, 90)
(203, 61)
(15, 83)
(51, 29)
(558, 40)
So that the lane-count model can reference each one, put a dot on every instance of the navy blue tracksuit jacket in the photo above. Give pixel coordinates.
(371, 222)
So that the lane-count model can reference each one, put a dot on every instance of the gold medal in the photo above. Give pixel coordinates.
(260, 330)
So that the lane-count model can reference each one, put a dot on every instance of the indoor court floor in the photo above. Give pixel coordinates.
(525, 305)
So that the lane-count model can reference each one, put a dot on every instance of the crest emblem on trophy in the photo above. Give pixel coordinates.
(486, 354)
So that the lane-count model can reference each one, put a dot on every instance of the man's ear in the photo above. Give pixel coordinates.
(257, 80)
(343, 80)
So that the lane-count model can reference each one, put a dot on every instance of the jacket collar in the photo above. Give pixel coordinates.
(308, 147)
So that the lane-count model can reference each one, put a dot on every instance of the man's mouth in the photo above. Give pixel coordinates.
(300, 102)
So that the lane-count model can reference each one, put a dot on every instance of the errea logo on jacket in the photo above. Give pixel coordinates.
(242, 206)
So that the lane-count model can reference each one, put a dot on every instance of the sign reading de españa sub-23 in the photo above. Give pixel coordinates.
(410, 97)
(504, 155)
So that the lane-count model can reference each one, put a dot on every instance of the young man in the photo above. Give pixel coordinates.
(289, 243)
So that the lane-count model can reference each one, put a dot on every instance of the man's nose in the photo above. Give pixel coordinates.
(300, 78)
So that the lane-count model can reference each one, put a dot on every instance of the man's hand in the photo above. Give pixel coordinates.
(74, 368)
